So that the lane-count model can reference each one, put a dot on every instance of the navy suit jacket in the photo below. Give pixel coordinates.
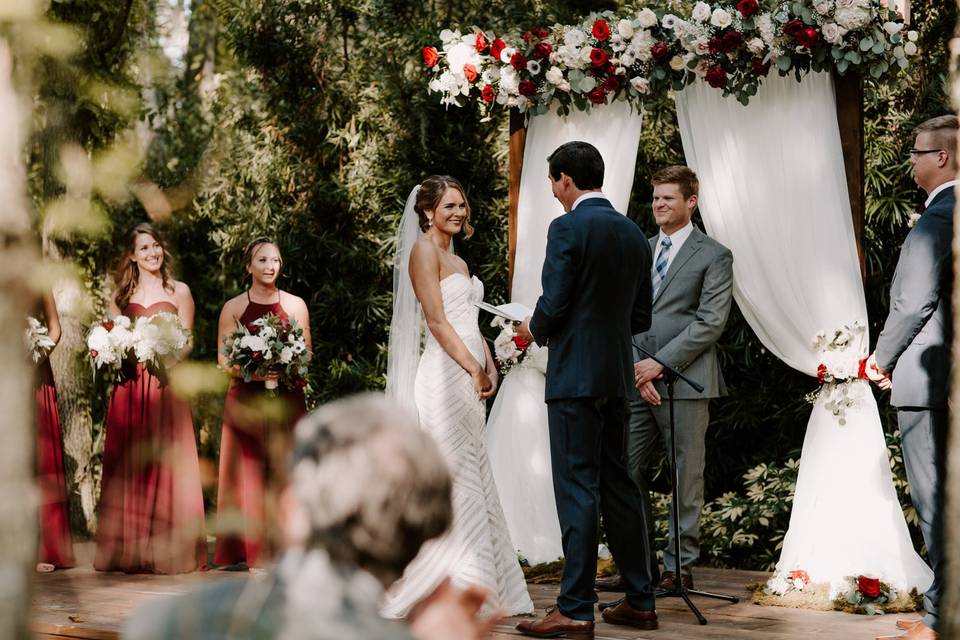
(916, 338)
(596, 295)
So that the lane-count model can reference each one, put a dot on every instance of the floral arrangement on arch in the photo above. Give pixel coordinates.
(868, 594)
(841, 366)
(730, 45)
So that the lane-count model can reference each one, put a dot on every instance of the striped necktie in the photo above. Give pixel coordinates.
(660, 269)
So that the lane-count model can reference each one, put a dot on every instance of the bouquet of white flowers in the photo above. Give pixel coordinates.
(842, 365)
(509, 349)
(269, 345)
(38, 340)
(116, 346)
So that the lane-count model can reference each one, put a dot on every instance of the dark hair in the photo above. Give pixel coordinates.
(431, 193)
(579, 160)
(126, 273)
(683, 177)
(251, 249)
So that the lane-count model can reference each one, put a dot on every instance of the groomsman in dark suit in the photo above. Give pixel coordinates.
(692, 291)
(912, 355)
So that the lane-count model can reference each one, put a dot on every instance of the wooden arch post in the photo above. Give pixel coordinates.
(518, 140)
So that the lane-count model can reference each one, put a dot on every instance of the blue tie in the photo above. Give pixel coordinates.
(660, 269)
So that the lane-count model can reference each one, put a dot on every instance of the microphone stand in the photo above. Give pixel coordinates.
(670, 377)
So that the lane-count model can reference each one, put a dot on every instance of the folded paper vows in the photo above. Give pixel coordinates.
(511, 311)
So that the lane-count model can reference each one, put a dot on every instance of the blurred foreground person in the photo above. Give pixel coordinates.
(367, 489)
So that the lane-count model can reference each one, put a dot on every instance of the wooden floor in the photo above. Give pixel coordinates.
(81, 603)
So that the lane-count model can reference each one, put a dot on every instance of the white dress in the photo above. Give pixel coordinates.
(477, 550)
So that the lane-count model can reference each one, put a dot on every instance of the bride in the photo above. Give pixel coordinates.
(455, 375)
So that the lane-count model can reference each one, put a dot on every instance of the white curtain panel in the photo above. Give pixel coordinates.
(773, 190)
(614, 129)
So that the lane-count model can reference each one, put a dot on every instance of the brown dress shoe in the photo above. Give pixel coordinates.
(610, 583)
(557, 625)
(918, 631)
(626, 614)
(668, 581)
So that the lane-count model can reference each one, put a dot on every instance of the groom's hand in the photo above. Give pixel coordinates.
(645, 371)
(877, 374)
(523, 330)
(649, 393)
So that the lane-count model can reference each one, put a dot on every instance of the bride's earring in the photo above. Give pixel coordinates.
(429, 222)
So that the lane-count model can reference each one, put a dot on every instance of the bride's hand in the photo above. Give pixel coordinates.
(482, 384)
(494, 380)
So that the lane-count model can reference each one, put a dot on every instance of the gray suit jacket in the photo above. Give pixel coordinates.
(690, 312)
(915, 341)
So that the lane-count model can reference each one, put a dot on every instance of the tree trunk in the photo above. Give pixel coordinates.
(18, 488)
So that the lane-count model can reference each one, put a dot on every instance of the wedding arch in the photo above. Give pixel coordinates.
(769, 104)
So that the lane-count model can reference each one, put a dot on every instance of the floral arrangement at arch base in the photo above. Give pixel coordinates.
(858, 594)
(732, 46)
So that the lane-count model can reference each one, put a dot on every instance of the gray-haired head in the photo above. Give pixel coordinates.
(371, 484)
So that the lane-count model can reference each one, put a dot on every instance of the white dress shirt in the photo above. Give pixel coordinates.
(587, 196)
(933, 194)
(677, 239)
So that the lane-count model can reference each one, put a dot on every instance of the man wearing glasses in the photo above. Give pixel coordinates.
(912, 356)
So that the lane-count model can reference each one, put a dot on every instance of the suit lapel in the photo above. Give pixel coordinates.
(690, 247)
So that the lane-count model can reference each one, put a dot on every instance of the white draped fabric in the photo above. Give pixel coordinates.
(518, 441)
(773, 190)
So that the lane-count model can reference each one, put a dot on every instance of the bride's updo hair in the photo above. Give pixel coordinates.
(431, 193)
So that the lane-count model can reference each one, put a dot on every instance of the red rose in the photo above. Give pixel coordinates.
(793, 28)
(821, 373)
(527, 36)
(527, 88)
(808, 37)
(597, 96)
(430, 56)
(601, 30)
(612, 83)
(300, 383)
(488, 94)
(520, 343)
(542, 50)
(470, 72)
(541, 33)
(518, 61)
(257, 355)
(497, 48)
(748, 7)
(870, 587)
(94, 353)
(715, 44)
(598, 57)
(481, 43)
(659, 51)
(731, 41)
(801, 574)
(107, 324)
(862, 370)
(760, 68)
(716, 77)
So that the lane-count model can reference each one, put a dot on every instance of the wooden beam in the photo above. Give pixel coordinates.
(518, 140)
(849, 91)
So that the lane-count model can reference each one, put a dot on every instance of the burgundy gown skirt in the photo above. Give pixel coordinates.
(151, 502)
(56, 544)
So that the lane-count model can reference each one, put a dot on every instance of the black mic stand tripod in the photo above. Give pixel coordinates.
(670, 377)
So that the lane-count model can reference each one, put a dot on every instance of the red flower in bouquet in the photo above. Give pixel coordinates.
(497, 48)
(527, 36)
(801, 575)
(94, 353)
(487, 94)
(808, 37)
(748, 7)
(520, 343)
(107, 324)
(542, 50)
(659, 51)
(601, 30)
(541, 33)
(481, 42)
(862, 370)
(470, 72)
(597, 96)
(612, 83)
(821, 373)
(598, 57)
(518, 61)
(759, 67)
(715, 45)
(527, 88)
(870, 587)
(731, 41)
(716, 77)
(430, 56)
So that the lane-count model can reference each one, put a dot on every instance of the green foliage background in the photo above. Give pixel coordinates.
(310, 120)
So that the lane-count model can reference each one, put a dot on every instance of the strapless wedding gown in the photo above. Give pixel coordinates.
(477, 549)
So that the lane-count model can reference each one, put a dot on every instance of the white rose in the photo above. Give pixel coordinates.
(677, 63)
(910, 49)
(701, 45)
(823, 7)
(564, 86)
(831, 33)
(253, 343)
(533, 67)
(756, 46)
(286, 355)
(574, 38)
(554, 75)
(627, 60)
(625, 29)
(852, 17)
(122, 322)
(701, 12)
(585, 55)
(641, 85)
(721, 18)
(647, 18)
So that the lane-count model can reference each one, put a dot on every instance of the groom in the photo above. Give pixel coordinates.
(594, 254)
(913, 351)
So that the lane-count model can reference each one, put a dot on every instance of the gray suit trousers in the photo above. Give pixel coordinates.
(650, 426)
(923, 436)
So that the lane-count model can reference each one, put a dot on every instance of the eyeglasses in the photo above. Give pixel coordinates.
(920, 152)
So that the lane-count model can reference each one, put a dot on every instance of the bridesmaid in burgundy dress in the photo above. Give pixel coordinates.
(256, 427)
(151, 504)
(56, 544)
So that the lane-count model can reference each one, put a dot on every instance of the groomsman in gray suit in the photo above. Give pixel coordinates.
(692, 292)
(912, 355)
